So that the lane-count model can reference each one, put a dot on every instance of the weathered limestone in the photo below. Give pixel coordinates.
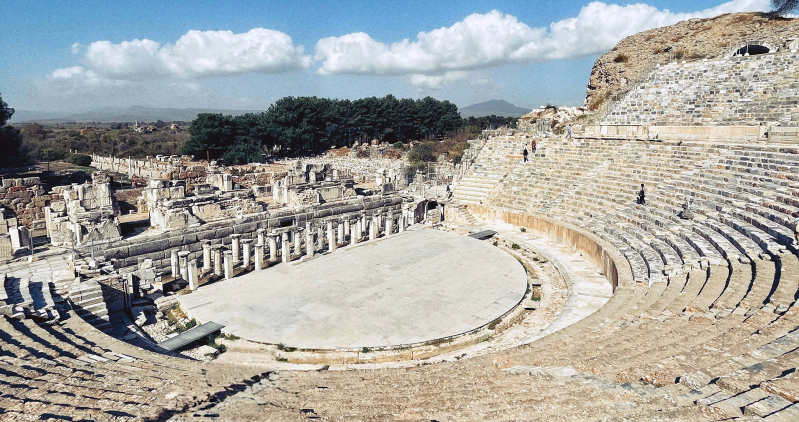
(347, 229)
(320, 238)
(401, 221)
(373, 228)
(355, 238)
(228, 265)
(194, 280)
(183, 259)
(206, 255)
(87, 214)
(340, 233)
(260, 233)
(331, 240)
(389, 224)
(284, 246)
(247, 257)
(235, 247)
(173, 254)
(297, 242)
(309, 250)
(259, 256)
(171, 208)
(217, 252)
(272, 247)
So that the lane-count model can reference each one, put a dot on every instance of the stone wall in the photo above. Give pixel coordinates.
(159, 167)
(596, 250)
(85, 214)
(739, 90)
(126, 253)
(26, 198)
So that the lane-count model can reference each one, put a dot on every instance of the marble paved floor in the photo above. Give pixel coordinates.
(411, 287)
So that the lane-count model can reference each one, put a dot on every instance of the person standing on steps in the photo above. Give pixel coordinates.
(642, 195)
(525, 154)
(532, 146)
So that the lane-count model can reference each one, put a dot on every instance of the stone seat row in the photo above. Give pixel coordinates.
(22, 297)
(71, 370)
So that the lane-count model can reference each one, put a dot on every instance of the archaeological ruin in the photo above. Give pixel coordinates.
(498, 288)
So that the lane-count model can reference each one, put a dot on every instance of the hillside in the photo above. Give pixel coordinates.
(120, 114)
(694, 39)
(493, 107)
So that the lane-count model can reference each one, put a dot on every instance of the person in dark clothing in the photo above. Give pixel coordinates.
(642, 195)
(525, 155)
(532, 146)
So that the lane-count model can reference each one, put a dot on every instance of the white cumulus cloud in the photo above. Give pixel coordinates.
(195, 54)
(493, 39)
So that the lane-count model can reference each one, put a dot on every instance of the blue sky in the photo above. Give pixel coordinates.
(72, 56)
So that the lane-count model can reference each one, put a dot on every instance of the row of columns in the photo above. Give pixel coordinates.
(242, 251)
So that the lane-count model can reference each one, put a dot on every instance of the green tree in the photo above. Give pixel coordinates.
(10, 139)
(211, 134)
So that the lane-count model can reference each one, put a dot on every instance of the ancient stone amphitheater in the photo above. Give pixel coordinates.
(702, 324)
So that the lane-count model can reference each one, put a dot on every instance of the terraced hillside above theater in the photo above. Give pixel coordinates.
(632, 58)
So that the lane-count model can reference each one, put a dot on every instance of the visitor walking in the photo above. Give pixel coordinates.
(533, 146)
(569, 131)
(642, 195)
(525, 155)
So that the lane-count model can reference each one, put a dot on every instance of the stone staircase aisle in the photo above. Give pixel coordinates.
(87, 301)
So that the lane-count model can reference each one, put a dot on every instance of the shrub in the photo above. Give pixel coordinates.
(515, 246)
(620, 58)
(524, 230)
(398, 145)
(365, 350)
(594, 106)
(80, 160)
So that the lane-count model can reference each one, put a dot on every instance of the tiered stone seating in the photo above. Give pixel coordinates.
(73, 370)
(702, 326)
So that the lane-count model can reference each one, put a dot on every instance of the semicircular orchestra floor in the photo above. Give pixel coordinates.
(409, 288)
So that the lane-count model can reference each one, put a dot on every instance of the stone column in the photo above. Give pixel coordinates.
(309, 250)
(355, 237)
(331, 239)
(309, 246)
(194, 279)
(272, 247)
(320, 238)
(411, 216)
(297, 242)
(347, 229)
(373, 228)
(206, 255)
(228, 265)
(389, 224)
(183, 262)
(245, 245)
(217, 252)
(174, 262)
(236, 247)
(259, 256)
(261, 236)
(401, 221)
(340, 230)
(284, 245)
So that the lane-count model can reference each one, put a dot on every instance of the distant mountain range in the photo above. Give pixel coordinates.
(495, 107)
(121, 114)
